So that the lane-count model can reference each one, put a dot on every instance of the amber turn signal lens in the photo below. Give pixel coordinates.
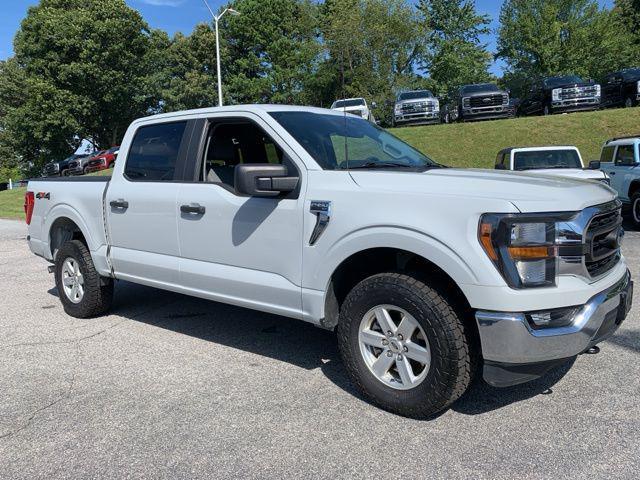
(485, 241)
(531, 253)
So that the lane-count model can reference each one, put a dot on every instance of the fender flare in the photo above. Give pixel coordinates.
(64, 210)
(401, 238)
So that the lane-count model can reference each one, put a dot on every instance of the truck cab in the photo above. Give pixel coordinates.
(354, 106)
(620, 160)
(561, 161)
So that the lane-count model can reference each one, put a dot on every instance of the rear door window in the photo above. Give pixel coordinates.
(154, 152)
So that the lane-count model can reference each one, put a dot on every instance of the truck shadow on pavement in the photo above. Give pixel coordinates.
(284, 339)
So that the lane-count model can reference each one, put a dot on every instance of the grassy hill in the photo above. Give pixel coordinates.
(476, 144)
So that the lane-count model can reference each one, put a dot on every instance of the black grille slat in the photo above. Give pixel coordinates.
(603, 249)
(487, 100)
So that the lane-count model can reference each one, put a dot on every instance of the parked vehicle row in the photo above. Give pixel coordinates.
(77, 164)
(426, 273)
(546, 96)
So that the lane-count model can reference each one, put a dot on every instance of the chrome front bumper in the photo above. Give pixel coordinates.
(508, 339)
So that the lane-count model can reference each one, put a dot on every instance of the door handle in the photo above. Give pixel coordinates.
(120, 203)
(194, 208)
(611, 173)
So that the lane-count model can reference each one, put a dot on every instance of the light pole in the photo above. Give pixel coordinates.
(216, 19)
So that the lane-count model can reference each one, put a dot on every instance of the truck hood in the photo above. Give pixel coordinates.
(528, 192)
(577, 173)
(351, 109)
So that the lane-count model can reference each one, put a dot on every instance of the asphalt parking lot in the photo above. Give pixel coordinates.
(172, 387)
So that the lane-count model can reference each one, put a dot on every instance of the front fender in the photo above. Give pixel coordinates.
(401, 238)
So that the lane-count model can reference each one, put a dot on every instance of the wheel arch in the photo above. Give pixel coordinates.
(62, 224)
(634, 187)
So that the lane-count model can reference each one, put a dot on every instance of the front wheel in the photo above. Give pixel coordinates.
(82, 291)
(404, 346)
(628, 103)
(546, 111)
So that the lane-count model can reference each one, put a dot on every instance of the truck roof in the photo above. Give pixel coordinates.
(623, 140)
(538, 149)
(253, 108)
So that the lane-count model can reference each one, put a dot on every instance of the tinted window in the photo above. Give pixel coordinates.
(559, 81)
(414, 95)
(354, 102)
(154, 152)
(607, 154)
(625, 155)
(546, 159)
(485, 87)
(342, 142)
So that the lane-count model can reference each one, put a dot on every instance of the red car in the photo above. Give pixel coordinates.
(103, 160)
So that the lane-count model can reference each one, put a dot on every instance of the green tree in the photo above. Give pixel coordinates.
(372, 49)
(455, 53)
(629, 16)
(87, 70)
(552, 37)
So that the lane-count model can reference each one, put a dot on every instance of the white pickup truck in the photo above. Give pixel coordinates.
(427, 273)
(560, 161)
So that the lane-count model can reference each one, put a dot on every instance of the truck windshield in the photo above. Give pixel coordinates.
(353, 102)
(536, 160)
(339, 142)
(483, 87)
(414, 95)
(559, 81)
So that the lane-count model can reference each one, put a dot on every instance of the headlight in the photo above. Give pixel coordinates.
(555, 94)
(522, 247)
(598, 90)
(436, 105)
(638, 86)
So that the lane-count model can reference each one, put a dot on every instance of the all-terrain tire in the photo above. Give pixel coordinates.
(98, 291)
(452, 367)
(635, 210)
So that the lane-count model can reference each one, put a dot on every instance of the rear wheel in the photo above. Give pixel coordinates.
(635, 210)
(403, 345)
(82, 291)
(546, 110)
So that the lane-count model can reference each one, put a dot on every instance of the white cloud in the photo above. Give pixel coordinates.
(163, 3)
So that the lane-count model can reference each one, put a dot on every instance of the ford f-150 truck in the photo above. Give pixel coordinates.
(426, 273)
(561, 161)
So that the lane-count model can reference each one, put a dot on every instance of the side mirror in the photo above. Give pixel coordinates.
(263, 180)
(374, 104)
(594, 165)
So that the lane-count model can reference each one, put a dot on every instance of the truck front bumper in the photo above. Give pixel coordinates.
(575, 105)
(515, 353)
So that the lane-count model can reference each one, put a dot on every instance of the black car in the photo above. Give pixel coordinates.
(621, 88)
(483, 101)
(568, 93)
(59, 168)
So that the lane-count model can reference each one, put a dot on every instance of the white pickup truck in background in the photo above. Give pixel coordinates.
(560, 161)
(427, 273)
(355, 106)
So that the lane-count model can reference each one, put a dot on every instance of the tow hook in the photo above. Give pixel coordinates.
(51, 268)
(592, 351)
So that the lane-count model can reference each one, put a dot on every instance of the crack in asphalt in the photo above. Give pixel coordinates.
(76, 342)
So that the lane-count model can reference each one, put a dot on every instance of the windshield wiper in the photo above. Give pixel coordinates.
(373, 165)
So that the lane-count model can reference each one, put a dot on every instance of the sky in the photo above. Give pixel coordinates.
(182, 15)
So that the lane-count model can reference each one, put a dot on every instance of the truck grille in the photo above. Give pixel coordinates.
(488, 100)
(417, 107)
(578, 92)
(603, 237)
